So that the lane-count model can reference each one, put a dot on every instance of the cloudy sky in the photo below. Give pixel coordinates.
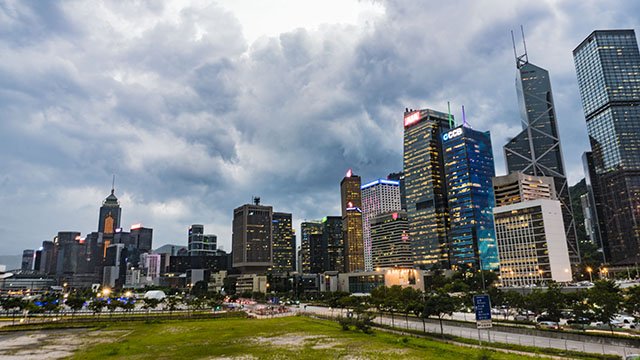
(197, 106)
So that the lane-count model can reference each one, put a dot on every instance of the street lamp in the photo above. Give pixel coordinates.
(590, 270)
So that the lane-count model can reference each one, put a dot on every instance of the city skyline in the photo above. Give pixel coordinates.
(186, 115)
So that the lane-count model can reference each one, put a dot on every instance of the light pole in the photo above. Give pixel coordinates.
(590, 270)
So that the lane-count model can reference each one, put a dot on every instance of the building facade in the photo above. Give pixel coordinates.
(469, 168)
(532, 243)
(28, 259)
(425, 186)
(608, 68)
(332, 244)
(518, 187)
(536, 150)
(201, 244)
(390, 246)
(351, 199)
(252, 238)
(379, 196)
(311, 247)
(284, 243)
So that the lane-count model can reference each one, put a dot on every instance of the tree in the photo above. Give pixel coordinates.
(172, 302)
(554, 301)
(96, 306)
(440, 304)
(150, 303)
(632, 301)
(606, 301)
(112, 305)
(408, 299)
(75, 302)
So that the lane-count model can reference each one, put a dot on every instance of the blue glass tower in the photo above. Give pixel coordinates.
(468, 168)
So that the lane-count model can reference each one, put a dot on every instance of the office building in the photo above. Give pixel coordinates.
(284, 243)
(141, 238)
(333, 247)
(151, 265)
(110, 212)
(469, 168)
(425, 186)
(399, 177)
(518, 187)
(28, 259)
(390, 245)
(595, 205)
(201, 244)
(379, 196)
(536, 149)
(608, 68)
(252, 238)
(311, 260)
(532, 243)
(352, 222)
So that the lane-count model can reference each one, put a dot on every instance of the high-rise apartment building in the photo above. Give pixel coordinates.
(284, 243)
(532, 243)
(608, 68)
(252, 238)
(379, 196)
(390, 245)
(425, 186)
(352, 222)
(536, 150)
(201, 244)
(469, 168)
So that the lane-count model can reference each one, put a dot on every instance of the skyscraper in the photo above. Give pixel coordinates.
(469, 168)
(311, 247)
(201, 244)
(109, 219)
(518, 187)
(252, 238)
(595, 206)
(425, 186)
(379, 196)
(284, 243)
(332, 244)
(390, 240)
(399, 177)
(536, 150)
(608, 69)
(28, 259)
(352, 222)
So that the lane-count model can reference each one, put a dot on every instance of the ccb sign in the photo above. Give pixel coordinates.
(452, 134)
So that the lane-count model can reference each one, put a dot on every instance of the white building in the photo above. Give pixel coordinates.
(378, 197)
(532, 244)
(151, 264)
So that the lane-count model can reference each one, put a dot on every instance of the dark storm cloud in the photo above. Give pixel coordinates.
(194, 120)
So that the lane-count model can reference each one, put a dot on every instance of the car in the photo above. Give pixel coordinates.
(579, 321)
(549, 325)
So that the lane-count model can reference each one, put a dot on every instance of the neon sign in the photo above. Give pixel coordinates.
(411, 118)
(452, 134)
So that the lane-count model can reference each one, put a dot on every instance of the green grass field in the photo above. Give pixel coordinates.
(281, 338)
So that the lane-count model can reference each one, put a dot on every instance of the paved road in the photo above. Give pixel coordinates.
(490, 335)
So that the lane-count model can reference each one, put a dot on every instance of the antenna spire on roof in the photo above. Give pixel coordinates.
(520, 59)
(464, 119)
(451, 123)
(113, 184)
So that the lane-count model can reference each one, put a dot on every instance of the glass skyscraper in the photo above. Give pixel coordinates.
(536, 150)
(352, 222)
(425, 186)
(608, 69)
(468, 166)
(284, 243)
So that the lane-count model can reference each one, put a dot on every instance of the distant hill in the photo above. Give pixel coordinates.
(11, 261)
(169, 249)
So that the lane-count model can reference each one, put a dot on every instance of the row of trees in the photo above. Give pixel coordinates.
(603, 302)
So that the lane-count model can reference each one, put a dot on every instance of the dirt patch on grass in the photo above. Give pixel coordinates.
(299, 340)
(50, 344)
